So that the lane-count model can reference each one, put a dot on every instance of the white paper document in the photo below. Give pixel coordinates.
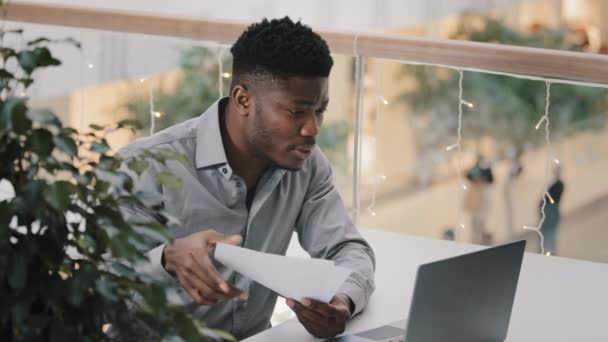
(290, 277)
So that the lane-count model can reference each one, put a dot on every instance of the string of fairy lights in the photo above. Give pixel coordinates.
(377, 176)
(544, 121)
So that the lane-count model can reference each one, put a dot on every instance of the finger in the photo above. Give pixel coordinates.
(323, 309)
(232, 240)
(207, 274)
(211, 237)
(194, 293)
(309, 315)
(204, 289)
(212, 278)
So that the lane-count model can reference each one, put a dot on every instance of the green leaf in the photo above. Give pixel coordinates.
(152, 232)
(7, 53)
(106, 288)
(38, 40)
(187, 330)
(114, 178)
(173, 338)
(154, 295)
(122, 270)
(30, 60)
(174, 155)
(170, 180)
(42, 142)
(10, 106)
(85, 178)
(66, 144)
(33, 192)
(17, 271)
(19, 312)
(27, 61)
(68, 131)
(12, 115)
(109, 216)
(75, 290)
(138, 165)
(109, 162)
(57, 195)
(26, 81)
(44, 57)
(74, 42)
(44, 116)
(5, 74)
(130, 123)
(218, 334)
(149, 198)
(97, 127)
(164, 154)
(99, 147)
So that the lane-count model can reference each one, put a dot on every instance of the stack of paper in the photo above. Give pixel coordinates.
(295, 278)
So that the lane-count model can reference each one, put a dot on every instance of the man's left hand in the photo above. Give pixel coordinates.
(321, 319)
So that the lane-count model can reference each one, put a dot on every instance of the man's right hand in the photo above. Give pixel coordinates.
(188, 259)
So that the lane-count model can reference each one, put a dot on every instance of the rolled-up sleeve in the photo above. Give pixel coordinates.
(325, 230)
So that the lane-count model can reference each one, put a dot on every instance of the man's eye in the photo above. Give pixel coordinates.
(295, 112)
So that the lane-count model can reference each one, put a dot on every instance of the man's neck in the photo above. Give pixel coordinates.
(238, 152)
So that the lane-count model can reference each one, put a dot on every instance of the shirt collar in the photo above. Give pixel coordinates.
(209, 145)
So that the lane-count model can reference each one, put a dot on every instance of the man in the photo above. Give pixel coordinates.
(477, 200)
(256, 177)
(551, 200)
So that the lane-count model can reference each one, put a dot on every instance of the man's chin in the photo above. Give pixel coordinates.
(293, 166)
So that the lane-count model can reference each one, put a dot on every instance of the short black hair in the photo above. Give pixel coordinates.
(280, 48)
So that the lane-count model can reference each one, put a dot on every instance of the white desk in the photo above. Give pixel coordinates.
(557, 299)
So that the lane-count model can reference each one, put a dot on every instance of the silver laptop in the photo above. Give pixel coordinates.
(467, 298)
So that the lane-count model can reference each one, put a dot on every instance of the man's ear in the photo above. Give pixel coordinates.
(242, 99)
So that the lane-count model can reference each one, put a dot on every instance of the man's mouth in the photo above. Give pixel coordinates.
(303, 151)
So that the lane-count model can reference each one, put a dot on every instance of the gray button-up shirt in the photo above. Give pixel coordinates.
(213, 197)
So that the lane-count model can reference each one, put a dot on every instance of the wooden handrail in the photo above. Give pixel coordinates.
(585, 67)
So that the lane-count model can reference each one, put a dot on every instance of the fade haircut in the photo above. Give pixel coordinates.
(279, 49)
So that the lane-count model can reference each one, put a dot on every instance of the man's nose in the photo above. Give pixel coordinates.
(311, 127)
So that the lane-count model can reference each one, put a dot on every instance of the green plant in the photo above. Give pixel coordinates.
(506, 108)
(196, 90)
(68, 254)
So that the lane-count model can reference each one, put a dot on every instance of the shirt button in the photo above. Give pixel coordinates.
(238, 184)
(224, 170)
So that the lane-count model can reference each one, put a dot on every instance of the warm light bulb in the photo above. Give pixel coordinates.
(540, 122)
(158, 114)
(467, 103)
